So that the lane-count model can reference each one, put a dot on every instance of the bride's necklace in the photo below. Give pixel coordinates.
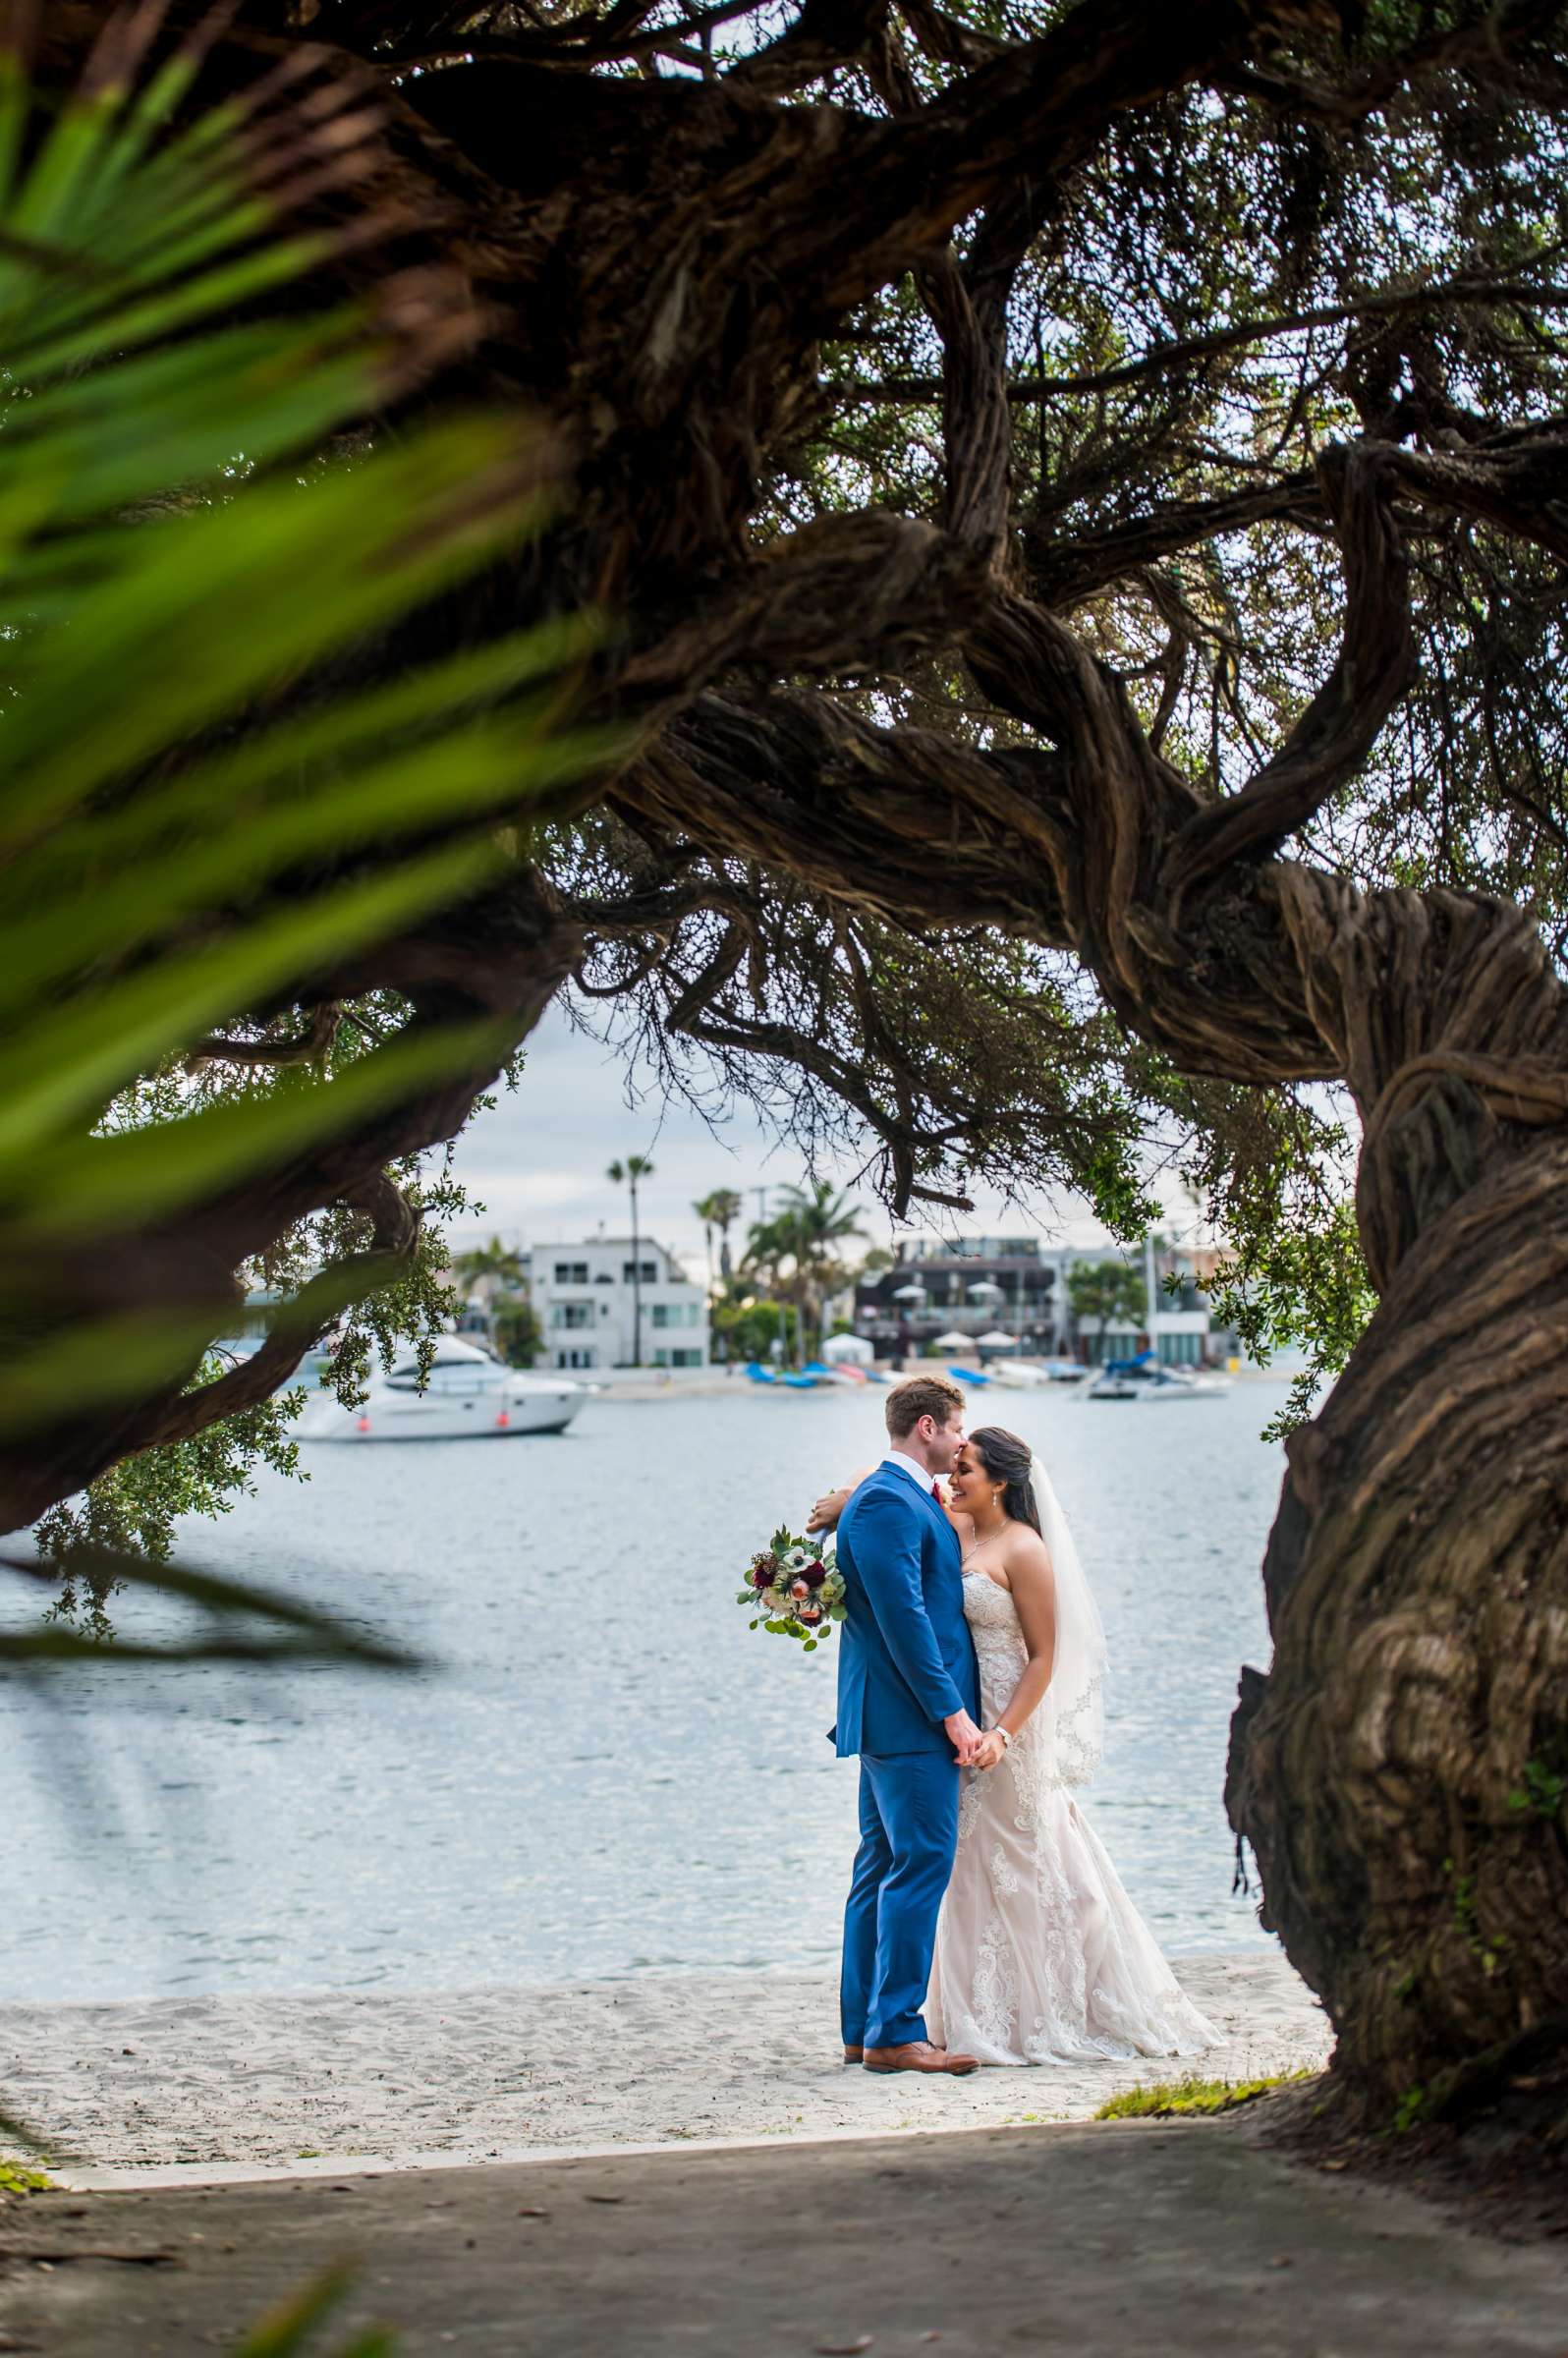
(982, 1543)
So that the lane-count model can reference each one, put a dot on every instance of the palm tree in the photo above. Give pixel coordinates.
(504, 1263)
(727, 1208)
(814, 1219)
(705, 1210)
(629, 1174)
(770, 1244)
(717, 1210)
(502, 1270)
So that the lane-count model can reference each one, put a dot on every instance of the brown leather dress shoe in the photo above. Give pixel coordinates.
(918, 2055)
(854, 2055)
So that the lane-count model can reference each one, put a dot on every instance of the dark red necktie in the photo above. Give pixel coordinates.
(936, 1493)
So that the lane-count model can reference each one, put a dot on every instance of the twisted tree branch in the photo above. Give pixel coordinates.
(1375, 664)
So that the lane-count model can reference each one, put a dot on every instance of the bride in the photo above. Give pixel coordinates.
(1040, 1955)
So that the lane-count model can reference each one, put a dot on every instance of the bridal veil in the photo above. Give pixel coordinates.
(1072, 1713)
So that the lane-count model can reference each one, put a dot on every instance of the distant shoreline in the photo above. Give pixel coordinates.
(686, 1383)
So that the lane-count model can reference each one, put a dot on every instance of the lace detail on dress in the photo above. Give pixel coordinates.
(1040, 1955)
(1077, 1748)
(970, 1798)
(995, 1983)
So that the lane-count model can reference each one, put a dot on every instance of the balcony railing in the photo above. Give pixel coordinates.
(970, 1318)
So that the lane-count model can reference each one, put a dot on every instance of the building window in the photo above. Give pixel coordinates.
(687, 1359)
(676, 1314)
(650, 1272)
(463, 1376)
(571, 1272)
(572, 1314)
(575, 1359)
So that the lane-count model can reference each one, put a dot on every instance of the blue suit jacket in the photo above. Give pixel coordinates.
(907, 1658)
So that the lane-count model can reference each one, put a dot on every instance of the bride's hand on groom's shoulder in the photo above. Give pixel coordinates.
(825, 1513)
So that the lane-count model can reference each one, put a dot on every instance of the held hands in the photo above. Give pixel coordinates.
(974, 1750)
(965, 1738)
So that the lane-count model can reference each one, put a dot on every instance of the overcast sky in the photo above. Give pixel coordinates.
(538, 1161)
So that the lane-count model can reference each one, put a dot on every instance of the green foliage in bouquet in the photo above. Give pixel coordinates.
(798, 1587)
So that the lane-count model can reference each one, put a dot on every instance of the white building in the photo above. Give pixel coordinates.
(585, 1300)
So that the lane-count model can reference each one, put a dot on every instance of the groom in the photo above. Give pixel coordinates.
(908, 1700)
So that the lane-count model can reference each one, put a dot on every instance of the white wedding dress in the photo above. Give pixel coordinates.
(1040, 1955)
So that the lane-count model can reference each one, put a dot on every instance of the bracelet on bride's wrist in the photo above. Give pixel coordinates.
(1007, 1738)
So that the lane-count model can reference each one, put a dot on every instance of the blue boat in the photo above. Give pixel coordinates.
(970, 1375)
(1145, 1379)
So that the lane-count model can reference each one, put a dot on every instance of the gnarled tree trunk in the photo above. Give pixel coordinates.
(1400, 1771)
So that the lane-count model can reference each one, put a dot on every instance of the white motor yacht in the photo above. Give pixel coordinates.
(467, 1396)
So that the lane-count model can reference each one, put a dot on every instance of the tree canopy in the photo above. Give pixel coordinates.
(1038, 463)
(1107, 1290)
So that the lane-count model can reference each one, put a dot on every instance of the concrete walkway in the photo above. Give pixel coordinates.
(1099, 2240)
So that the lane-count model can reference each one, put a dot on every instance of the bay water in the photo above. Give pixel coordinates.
(598, 1769)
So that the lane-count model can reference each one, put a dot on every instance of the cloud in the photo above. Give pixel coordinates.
(537, 1161)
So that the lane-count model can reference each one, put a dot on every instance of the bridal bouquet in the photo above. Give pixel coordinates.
(797, 1588)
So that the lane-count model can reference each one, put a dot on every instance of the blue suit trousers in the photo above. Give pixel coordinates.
(909, 1832)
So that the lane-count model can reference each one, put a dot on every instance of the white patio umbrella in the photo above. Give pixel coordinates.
(853, 1349)
(986, 1289)
(909, 1293)
(954, 1342)
(996, 1340)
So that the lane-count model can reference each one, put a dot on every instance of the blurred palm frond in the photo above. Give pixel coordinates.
(194, 527)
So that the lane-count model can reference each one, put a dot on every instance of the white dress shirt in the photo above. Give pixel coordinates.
(913, 1468)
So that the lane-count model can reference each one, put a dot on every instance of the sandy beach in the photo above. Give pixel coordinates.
(206, 2087)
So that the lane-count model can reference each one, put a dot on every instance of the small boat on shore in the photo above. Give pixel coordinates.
(1147, 1379)
(467, 1396)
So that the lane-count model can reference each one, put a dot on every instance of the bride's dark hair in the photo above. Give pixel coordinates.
(1009, 1461)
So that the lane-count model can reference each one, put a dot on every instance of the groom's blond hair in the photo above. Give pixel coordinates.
(936, 1396)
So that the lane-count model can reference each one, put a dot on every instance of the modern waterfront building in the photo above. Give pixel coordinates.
(959, 1285)
(1017, 1286)
(586, 1298)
